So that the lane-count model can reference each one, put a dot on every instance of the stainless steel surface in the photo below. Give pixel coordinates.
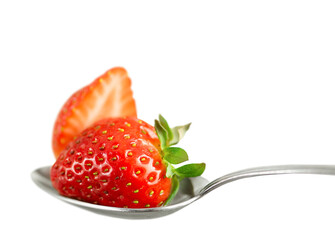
(191, 189)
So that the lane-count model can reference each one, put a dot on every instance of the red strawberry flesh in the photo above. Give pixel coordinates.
(107, 96)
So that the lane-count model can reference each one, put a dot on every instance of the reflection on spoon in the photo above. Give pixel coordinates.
(191, 189)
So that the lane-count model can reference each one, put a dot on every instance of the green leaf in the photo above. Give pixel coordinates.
(191, 170)
(170, 170)
(178, 133)
(174, 189)
(166, 126)
(161, 133)
(175, 155)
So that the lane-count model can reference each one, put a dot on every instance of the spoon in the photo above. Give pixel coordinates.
(191, 189)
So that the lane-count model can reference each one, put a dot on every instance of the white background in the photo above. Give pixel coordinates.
(256, 79)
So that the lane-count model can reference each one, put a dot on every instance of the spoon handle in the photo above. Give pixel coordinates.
(268, 170)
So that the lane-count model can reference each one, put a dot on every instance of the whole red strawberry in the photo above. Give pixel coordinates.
(122, 162)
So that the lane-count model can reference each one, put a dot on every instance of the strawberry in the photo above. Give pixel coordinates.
(107, 96)
(124, 162)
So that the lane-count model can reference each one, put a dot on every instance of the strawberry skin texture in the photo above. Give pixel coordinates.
(115, 162)
(109, 95)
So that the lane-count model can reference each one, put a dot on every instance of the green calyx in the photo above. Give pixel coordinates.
(175, 155)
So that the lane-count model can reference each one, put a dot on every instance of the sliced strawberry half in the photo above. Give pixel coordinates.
(109, 95)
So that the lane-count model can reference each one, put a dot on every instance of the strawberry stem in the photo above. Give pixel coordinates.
(175, 155)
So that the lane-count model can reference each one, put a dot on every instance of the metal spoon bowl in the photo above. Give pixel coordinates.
(191, 189)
